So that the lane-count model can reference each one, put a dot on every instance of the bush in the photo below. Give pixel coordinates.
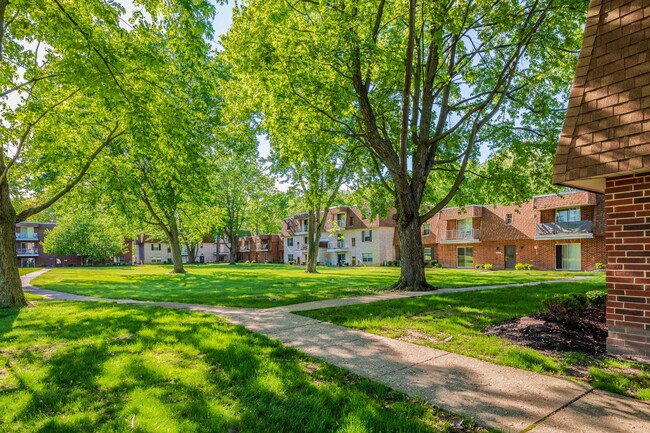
(438, 265)
(433, 262)
(253, 261)
(478, 267)
(566, 306)
(600, 265)
(487, 267)
(597, 298)
(529, 267)
(248, 262)
(520, 267)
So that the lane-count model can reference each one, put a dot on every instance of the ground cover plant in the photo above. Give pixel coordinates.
(258, 286)
(456, 322)
(81, 367)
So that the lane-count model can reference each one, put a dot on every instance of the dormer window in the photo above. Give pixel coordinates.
(567, 215)
(509, 219)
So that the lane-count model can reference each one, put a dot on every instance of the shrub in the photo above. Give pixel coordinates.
(478, 267)
(248, 262)
(529, 267)
(600, 265)
(566, 306)
(597, 298)
(520, 266)
(291, 263)
(438, 265)
(434, 262)
(253, 261)
(487, 267)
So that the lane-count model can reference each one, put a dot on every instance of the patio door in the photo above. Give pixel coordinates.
(465, 257)
(511, 256)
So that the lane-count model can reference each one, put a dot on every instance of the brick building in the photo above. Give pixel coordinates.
(29, 248)
(564, 232)
(260, 248)
(605, 147)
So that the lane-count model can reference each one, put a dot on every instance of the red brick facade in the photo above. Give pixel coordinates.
(628, 269)
(605, 147)
(495, 227)
(261, 249)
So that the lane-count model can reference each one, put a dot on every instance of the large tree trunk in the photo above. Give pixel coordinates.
(412, 275)
(234, 246)
(11, 291)
(175, 244)
(313, 239)
(192, 249)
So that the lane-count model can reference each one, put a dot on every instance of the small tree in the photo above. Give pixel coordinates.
(95, 239)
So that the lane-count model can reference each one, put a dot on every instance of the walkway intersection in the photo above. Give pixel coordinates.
(500, 397)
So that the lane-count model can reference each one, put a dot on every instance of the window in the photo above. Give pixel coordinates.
(305, 225)
(568, 257)
(156, 260)
(428, 254)
(155, 247)
(567, 215)
(290, 258)
(289, 242)
(427, 229)
(509, 219)
(465, 257)
(289, 225)
(354, 242)
(366, 257)
(351, 221)
(340, 220)
(464, 228)
(366, 236)
(169, 250)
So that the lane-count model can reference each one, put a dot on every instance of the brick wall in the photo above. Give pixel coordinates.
(540, 254)
(627, 201)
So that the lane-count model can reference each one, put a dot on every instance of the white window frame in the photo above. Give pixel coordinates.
(366, 257)
(570, 212)
(290, 258)
(426, 230)
(365, 238)
(471, 266)
(578, 261)
(508, 219)
(289, 242)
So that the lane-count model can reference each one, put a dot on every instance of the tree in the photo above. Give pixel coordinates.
(422, 84)
(93, 238)
(60, 104)
(239, 183)
(316, 165)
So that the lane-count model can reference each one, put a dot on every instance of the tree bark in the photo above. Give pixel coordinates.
(234, 246)
(11, 291)
(412, 275)
(313, 239)
(175, 244)
(192, 250)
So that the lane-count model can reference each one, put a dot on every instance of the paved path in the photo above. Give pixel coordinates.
(501, 397)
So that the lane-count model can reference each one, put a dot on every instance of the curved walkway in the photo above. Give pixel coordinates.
(500, 397)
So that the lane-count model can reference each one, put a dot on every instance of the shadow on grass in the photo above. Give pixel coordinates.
(81, 367)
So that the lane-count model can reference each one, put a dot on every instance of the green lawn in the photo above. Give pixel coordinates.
(258, 286)
(25, 271)
(431, 320)
(95, 367)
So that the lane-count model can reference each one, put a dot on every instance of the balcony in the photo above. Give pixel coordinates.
(335, 247)
(263, 247)
(244, 248)
(301, 248)
(565, 230)
(26, 252)
(459, 236)
(27, 236)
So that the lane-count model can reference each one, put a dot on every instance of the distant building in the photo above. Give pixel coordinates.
(154, 251)
(29, 248)
(349, 237)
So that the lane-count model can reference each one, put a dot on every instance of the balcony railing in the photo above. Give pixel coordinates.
(338, 245)
(27, 251)
(460, 235)
(302, 247)
(565, 229)
(262, 247)
(27, 236)
(244, 248)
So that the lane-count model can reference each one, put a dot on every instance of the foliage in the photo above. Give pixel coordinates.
(597, 298)
(94, 237)
(478, 266)
(487, 266)
(524, 267)
(566, 307)
(600, 265)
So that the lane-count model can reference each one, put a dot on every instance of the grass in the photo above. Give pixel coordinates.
(25, 271)
(82, 367)
(257, 286)
(454, 322)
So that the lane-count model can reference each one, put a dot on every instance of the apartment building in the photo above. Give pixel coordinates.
(349, 237)
(154, 251)
(260, 248)
(552, 232)
(29, 248)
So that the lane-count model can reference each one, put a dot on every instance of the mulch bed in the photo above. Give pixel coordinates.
(586, 333)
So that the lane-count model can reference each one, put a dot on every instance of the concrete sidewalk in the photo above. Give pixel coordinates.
(500, 397)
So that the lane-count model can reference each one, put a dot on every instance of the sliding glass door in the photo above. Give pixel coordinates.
(465, 256)
(568, 257)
